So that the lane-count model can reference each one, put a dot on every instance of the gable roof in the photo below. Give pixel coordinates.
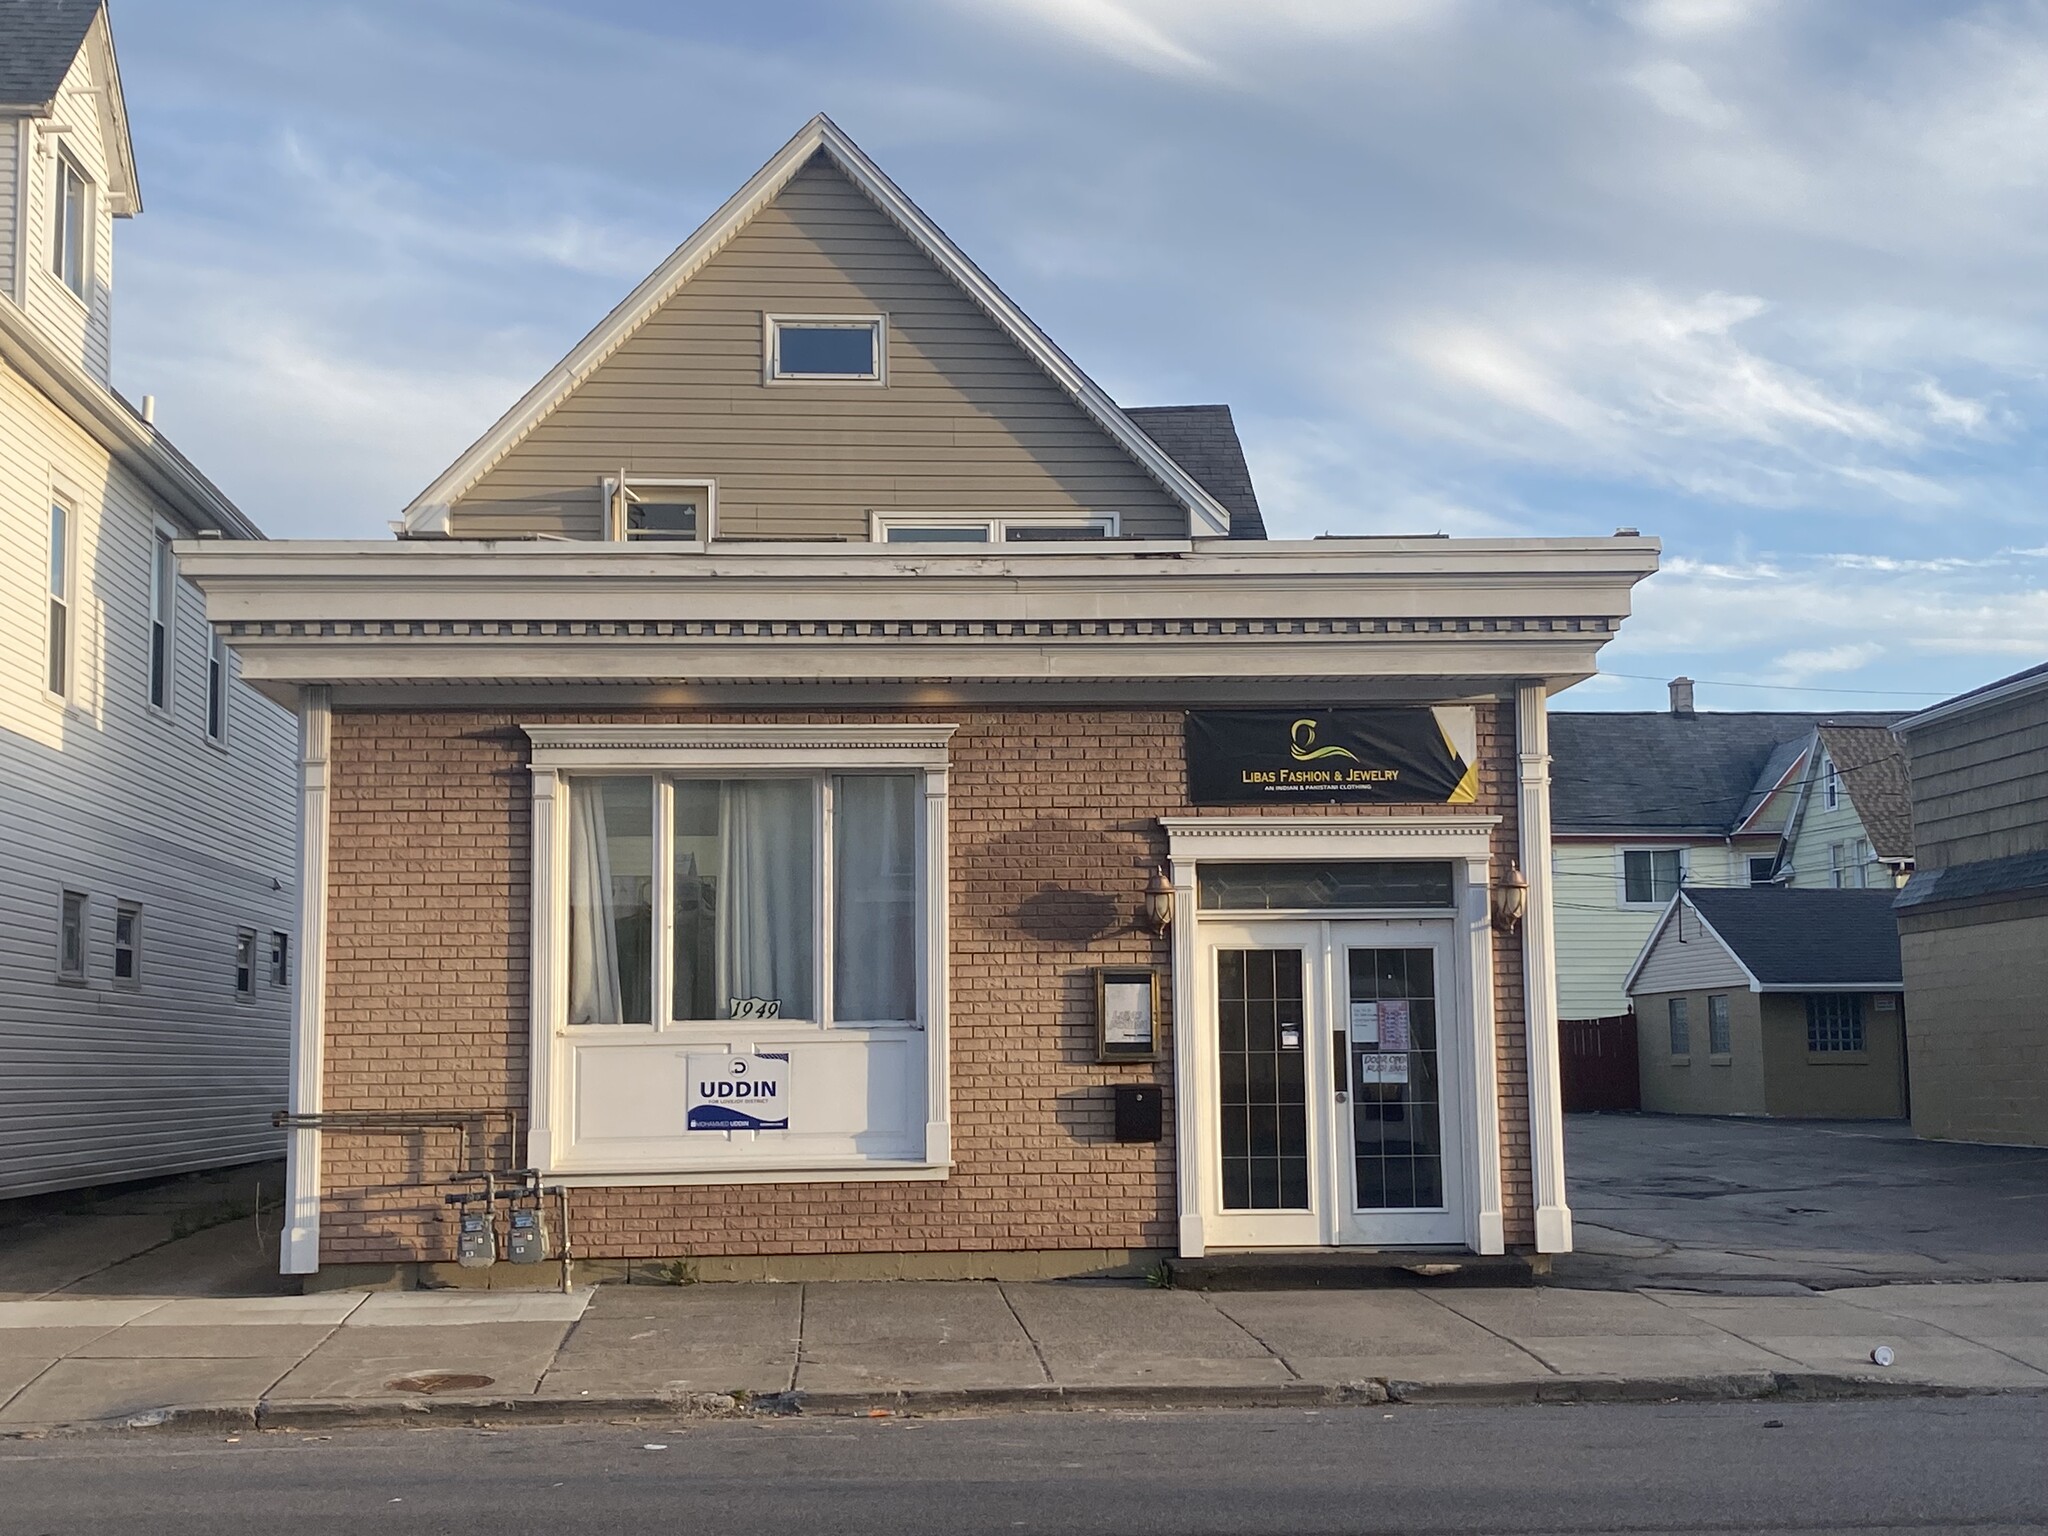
(1661, 774)
(1793, 940)
(1873, 769)
(429, 512)
(1202, 439)
(40, 40)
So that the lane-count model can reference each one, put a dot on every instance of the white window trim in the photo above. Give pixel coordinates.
(1830, 785)
(162, 537)
(725, 751)
(772, 375)
(61, 496)
(880, 522)
(1621, 854)
(218, 691)
(88, 214)
(615, 531)
(75, 976)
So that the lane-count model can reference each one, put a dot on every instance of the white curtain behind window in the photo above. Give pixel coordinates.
(593, 923)
(874, 971)
(766, 933)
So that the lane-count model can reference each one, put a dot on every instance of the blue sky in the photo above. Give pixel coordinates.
(1761, 277)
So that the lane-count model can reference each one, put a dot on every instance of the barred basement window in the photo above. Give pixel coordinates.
(1834, 1022)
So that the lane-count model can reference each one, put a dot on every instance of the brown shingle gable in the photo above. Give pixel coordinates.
(1873, 769)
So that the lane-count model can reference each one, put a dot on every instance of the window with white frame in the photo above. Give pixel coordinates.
(1762, 868)
(828, 349)
(1864, 872)
(1718, 1032)
(1680, 1023)
(245, 962)
(1834, 1023)
(163, 618)
(216, 687)
(280, 958)
(1830, 783)
(660, 510)
(71, 225)
(57, 635)
(71, 931)
(1651, 876)
(127, 945)
(743, 864)
(937, 528)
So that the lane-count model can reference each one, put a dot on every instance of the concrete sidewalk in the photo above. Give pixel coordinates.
(635, 1351)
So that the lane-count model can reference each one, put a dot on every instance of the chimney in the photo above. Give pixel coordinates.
(149, 410)
(1681, 697)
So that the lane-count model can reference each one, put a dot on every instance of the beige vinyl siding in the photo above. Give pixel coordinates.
(11, 131)
(1598, 938)
(1980, 784)
(1686, 959)
(106, 797)
(966, 424)
(1820, 829)
(83, 330)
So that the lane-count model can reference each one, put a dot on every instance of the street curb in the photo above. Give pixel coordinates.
(416, 1412)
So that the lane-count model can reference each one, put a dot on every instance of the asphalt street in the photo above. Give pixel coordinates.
(1965, 1465)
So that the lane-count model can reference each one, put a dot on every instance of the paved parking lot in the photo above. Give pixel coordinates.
(1673, 1200)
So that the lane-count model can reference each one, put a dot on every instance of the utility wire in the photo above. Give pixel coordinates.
(1721, 682)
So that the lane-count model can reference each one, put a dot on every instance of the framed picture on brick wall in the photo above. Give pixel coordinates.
(1126, 1013)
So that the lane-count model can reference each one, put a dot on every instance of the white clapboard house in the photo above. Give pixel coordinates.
(147, 898)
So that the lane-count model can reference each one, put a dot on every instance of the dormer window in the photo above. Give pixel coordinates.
(659, 510)
(825, 349)
(70, 225)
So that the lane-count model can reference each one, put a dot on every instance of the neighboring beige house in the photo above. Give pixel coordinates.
(1851, 823)
(147, 896)
(835, 793)
(1767, 1001)
(1647, 802)
(1973, 920)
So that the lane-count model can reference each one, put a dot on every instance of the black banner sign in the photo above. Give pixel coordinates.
(1325, 756)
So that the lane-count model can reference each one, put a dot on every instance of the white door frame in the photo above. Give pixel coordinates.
(1463, 840)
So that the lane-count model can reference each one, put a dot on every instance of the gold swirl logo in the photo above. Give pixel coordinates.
(1304, 745)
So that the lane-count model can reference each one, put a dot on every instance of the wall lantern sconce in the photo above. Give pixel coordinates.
(1510, 901)
(1158, 901)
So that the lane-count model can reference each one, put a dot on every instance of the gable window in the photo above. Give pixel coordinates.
(57, 637)
(163, 613)
(659, 510)
(1761, 869)
(127, 944)
(1834, 1023)
(1680, 1025)
(1651, 876)
(70, 225)
(217, 687)
(280, 959)
(71, 937)
(1718, 1031)
(847, 349)
(1830, 784)
(245, 962)
(923, 528)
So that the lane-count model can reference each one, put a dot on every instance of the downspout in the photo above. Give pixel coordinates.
(1539, 972)
(300, 1253)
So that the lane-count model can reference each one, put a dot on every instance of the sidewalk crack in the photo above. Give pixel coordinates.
(1515, 1344)
(1285, 1364)
(1038, 1350)
(803, 1314)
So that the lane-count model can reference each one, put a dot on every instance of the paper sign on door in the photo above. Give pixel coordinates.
(1365, 1023)
(1383, 1067)
(1394, 1031)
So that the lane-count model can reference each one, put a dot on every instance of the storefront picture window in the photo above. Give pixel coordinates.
(739, 866)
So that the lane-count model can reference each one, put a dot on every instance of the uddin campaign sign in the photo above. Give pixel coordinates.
(739, 1093)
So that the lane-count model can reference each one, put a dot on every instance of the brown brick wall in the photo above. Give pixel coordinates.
(1054, 831)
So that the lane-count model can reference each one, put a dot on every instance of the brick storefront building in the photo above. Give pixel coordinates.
(781, 834)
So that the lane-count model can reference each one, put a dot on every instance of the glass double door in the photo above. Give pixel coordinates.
(1338, 1115)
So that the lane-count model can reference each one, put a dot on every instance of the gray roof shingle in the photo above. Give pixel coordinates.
(1202, 439)
(38, 41)
(1806, 938)
(1677, 775)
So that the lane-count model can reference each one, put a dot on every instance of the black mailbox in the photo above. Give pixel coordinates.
(1140, 1112)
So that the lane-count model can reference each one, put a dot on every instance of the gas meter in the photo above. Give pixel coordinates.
(528, 1240)
(476, 1242)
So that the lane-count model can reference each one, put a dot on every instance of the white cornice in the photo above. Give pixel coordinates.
(700, 746)
(429, 513)
(1401, 835)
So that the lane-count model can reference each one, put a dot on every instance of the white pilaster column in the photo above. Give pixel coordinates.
(301, 1246)
(938, 1126)
(1190, 1136)
(545, 960)
(1539, 972)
